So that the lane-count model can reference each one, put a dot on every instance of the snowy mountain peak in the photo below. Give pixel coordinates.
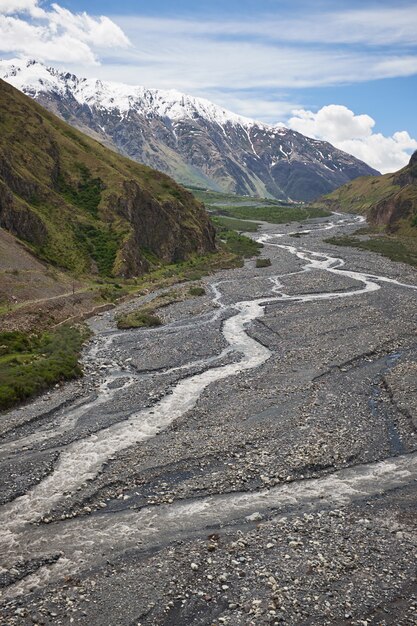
(193, 140)
(33, 78)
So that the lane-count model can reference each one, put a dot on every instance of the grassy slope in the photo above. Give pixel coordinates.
(390, 205)
(69, 186)
(61, 193)
(361, 194)
(32, 363)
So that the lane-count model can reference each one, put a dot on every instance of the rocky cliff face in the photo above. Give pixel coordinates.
(84, 207)
(191, 139)
(389, 200)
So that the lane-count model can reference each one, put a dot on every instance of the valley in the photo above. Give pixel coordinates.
(252, 460)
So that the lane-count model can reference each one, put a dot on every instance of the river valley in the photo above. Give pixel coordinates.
(252, 461)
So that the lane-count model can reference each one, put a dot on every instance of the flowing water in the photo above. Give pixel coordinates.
(84, 541)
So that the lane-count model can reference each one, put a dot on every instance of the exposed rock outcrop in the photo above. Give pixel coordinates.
(84, 207)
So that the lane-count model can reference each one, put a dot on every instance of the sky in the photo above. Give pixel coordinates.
(341, 71)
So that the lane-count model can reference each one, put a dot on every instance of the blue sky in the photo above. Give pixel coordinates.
(342, 71)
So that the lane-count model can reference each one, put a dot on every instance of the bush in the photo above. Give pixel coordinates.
(85, 194)
(197, 291)
(138, 319)
(100, 244)
(111, 293)
(263, 262)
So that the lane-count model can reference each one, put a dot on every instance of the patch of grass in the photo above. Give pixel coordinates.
(193, 269)
(31, 363)
(138, 319)
(197, 291)
(391, 247)
(235, 224)
(239, 244)
(275, 214)
(219, 197)
(263, 263)
(145, 316)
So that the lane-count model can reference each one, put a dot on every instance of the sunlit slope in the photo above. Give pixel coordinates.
(83, 207)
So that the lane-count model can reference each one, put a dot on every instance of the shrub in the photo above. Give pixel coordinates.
(263, 262)
(138, 319)
(197, 291)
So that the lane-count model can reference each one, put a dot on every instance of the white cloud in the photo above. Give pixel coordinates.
(260, 54)
(354, 134)
(56, 34)
(18, 6)
(370, 27)
(254, 106)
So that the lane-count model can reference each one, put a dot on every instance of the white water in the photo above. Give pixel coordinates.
(90, 541)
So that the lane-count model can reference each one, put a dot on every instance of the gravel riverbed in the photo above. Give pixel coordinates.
(253, 461)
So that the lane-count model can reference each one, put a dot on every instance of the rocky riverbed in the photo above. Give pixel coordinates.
(253, 461)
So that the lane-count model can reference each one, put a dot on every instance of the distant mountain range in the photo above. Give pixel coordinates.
(191, 139)
(84, 208)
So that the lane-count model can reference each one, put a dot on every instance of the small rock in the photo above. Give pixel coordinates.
(255, 517)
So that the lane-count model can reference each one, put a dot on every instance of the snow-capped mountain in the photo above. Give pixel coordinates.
(192, 139)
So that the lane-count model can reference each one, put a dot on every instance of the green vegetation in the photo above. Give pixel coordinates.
(235, 243)
(360, 195)
(30, 363)
(226, 206)
(138, 319)
(263, 263)
(239, 244)
(278, 214)
(81, 206)
(391, 247)
(197, 291)
(86, 193)
(212, 198)
(145, 316)
(232, 223)
(112, 292)
(101, 244)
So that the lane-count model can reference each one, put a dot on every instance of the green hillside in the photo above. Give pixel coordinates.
(389, 200)
(83, 207)
(389, 203)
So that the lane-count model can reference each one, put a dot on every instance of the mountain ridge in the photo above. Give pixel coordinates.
(85, 208)
(389, 200)
(191, 139)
